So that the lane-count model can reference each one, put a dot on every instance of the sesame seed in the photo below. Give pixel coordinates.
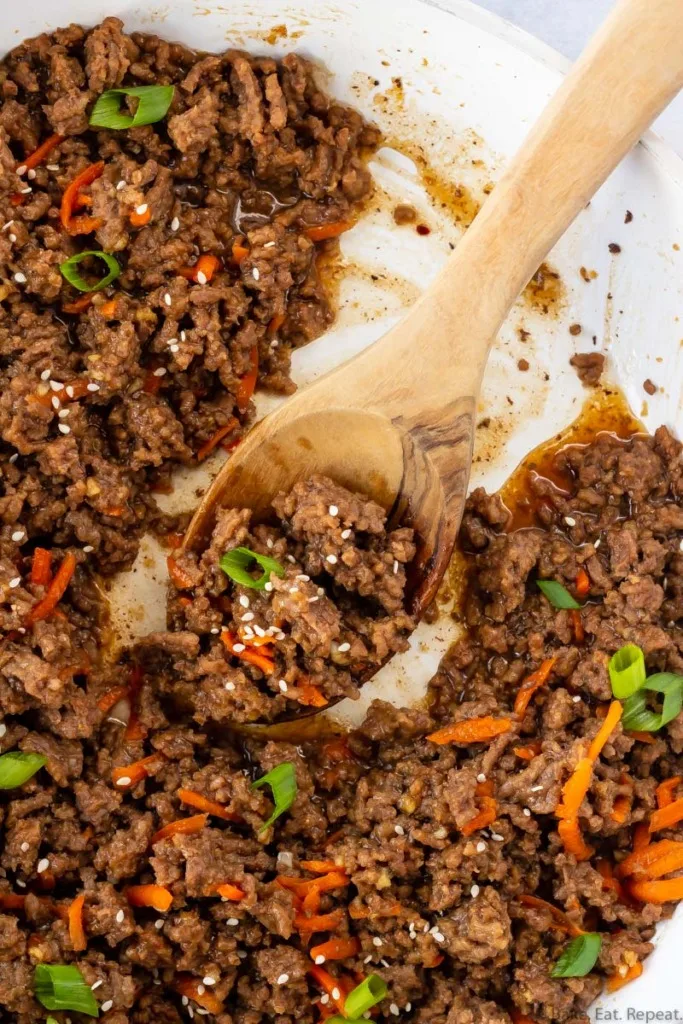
(344, 647)
(25, 847)
(15, 582)
(107, 1005)
(232, 921)
(438, 936)
(368, 959)
(200, 990)
(52, 167)
(21, 170)
(332, 559)
(69, 391)
(31, 174)
(201, 277)
(215, 630)
(256, 273)
(345, 534)
(596, 544)
(320, 960)
(18, 535)
(167, 298)
(333, 510)
(259, 630)
(497, 837)
(13, 458)
(244, 600)
(208, 980)
(174, 348)
(46, 374)
(321, 591)
(570, 521)
(3, 729)
(536, 789)
(12, 237)
(96, 984)
(183, 335)
(230, 686)
(158, 924)
(440, 833)
(123, 781)
(292, 559)
(62, 427)
(399, 830)
(526, 812)
(120, 184)
(20, 278)
(7, 225)
(377, 941)
(481, 847)
(336, 994)
(26, 191)
(93, 387)
(395, 566)
(294, 590)
(142, 209)
(408, 1007)
(119, 917)
(577, 698)
(88, 548)
(302, 576)
(56, 385)
(56, 404)
(22, 885)
(247, 617)
(268, 587)
(269, 245)
(63, 413)
(324, 999)
(43, 865)
(160, 371)
(175, 224)
(481, 777)
(238, 648)
(393, 1008)
(283, 685)
(269, 543)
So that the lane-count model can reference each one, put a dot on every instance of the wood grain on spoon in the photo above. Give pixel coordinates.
(397, 421)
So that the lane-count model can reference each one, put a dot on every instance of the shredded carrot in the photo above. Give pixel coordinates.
(78, 305)
(667, 816)
(175, 541)
(188, 796)
(239, 253)
(319, 922)
(641, 861)
(192, 988)
(617, 981)
(38, 155)
(612, 719)
(152, 382)
(136, 771)
(320, 867)
(138, 220)
(518, 1017)
(642, 737)
(641, 837)
(529, 752)
(336, 949)
(12, 901)
(575, 789)
(216, 438)
(360, 913)
(666, 890)
(275, 324)
(311, 902)
(472, 730)
(80, 225)
(577, 625)
(582, 583)
(41, 567)
(179, 577)
(108, 309)
(156, 896)
(560, 918)
(181, 827)
(301, 886)
(311, 696)
(529, 686)
(320, 232)
(76, 929)
(621, 808)
(249, 654)
(664, 792)
(206, 265)
(112, 697)
(230, 892)
(247, 384)
(337, 749)
(55, 591)
(573, 841)
(666, 864)
(606, 870)
(489, 809)
(332, 986)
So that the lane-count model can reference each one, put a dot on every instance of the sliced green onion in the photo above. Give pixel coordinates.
(627, 671)
(558, 595)
(63, 987)
(639, 717)
(153, 106)
(580, 956)
(17, 768)
(364, 996)
(69, 272)
(338, 1019)
(282, 782)
(236, 563)
(50, 1020)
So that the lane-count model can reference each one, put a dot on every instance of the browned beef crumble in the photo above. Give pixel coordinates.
(436, 912)
(589, 367)
(251, 151)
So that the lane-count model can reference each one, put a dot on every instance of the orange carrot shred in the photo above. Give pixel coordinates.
(664, 792)
(239, 253)
(301, 886)
(560, 918)
(76, 929)
(41, 567)
(529, 752)
(311, 696)
(582, 583)
(181, 827)
(640, 862)
(193, 989)
(216, 438)
(320, 232)
(135, 772)
(275, 324)
(107, 701)
(80, 225)
(78, 305)
(319, 922)
(320, 867)
(330, 985)
(38, 155)
(206, 265)
(667, 816)
(188, 796)
(489, 809)
(617, 981)
(573, 841)
(247, 384)
(55, 591)
(336, 949)
(228, 891)
(249, 654)
(612, 719)
(641, 837)
(577, 625)
(642, 737)
(179, 577)
(471, 730)
(666, 890)
(138, 220)
(529, 686)
(108, 309)
(156, 896)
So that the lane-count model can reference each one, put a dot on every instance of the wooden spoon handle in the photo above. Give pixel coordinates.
(631, 69)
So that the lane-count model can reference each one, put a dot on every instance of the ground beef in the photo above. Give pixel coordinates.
(589, 367)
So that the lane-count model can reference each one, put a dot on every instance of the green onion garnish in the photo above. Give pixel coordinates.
(69, 272)
(282, 782)
(579, 958)
(63, 987)
(50, 1020)
(627, 671)
(639, 717)
(236, 563)
(364, 996)
(17, 768)
(338, 1019)
(558, 595)
(154, 101)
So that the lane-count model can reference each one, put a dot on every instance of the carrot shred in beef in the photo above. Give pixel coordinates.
(529, 752)
(55, 591)
(247, 384)
(577, 625)
(188, 796)
(664, 793)
(471, 730)
(151, 385)
(249, 654)
(228, 891)
(561, 920)
(573, 841)
(517, 1017)
(641, 836)
(667, 816)
(275, 324)
(336, 949)
(642, 737)
(534, 682)
(134, 729)
(216, 438)
(179, 577)
(76, 929)
(605, 869)
(181, 827)
(239, 252)
(311, 902)
(302, 886)
(612, 719)
(78, 305)
(36, 158)
(135, 772)
(192, 988)
(617, 981)
(206, 265)
(310, 696)
(320, 867)
(318, 922)
(489, 809)
(582, 583)
(156, 896)
(138, 220)
(107, 701)
(80, 225)
(12, 901)
(336, 988)
(321, 232)
(621, 808)
(108, 309)
(641, 861)
(41, 567)
(666, 890)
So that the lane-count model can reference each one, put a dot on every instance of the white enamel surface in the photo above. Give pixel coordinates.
(471, 87)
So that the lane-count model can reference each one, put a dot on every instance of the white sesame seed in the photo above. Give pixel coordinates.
(474, 891)
(43, 865)
(345, 534)
(481, 777)
(336, 994)
(570, 521)
(88, 548)
(63, 413)
(120, 184)
(247, 617)
(393, 1008)
(31, 174)
(7, 225)
(107, 1005)
(244, 601)
(438, 936)
(232, 921)
(22, 885)
(96, 984)
(120, 917)
(46, 374)
(159, 924)
(332, 559)
(21, 170)
(3, 729)
(269, 543)
(208, 980)
(324, 999)
(377, 941)
(160, 371)
(25, 847)
(230, 686)
(183, 336)
(425, 929)
(333, 510)
(320, 960)
(269, 245)
(167, 298)
(399, 830)
(62, 427)
(200, 990)
(292, 559)
(175, 224)
(18, 535)
(56, 404)
(201, 277)
(497, 837)
(597, 543)
(238, 648)
(142, 209)
(320, 591)
(12, 237)
(577, 698)
(526, 812)
(408, 1007)
(215, 630)
(123, 781)
(259, 630)
(440, 833)
(395, 566)
(481, 847)
(283, 685)
(52, 167)
(15, 582)
(344, 647)
(26, 191)
(174, 348)
(20, 278)
(536, 789)
(302, 576)
(93, 387)
(256, 273)
(13, 458)
(56, 385)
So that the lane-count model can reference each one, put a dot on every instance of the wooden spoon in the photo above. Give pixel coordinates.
(396, 422)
